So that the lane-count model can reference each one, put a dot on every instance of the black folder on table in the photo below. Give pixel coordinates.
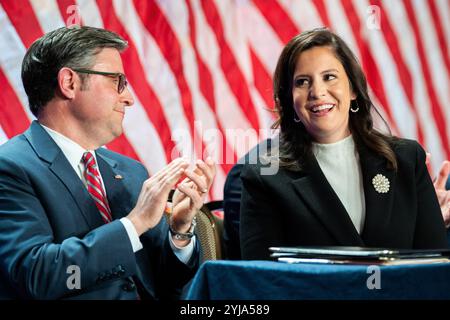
(358, 255)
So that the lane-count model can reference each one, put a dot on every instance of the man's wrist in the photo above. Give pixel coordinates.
(132, 234)
(138, 224)
(180, 235)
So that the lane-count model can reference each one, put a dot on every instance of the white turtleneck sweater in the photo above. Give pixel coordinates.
(339, 162)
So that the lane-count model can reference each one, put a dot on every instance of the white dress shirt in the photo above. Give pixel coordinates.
(339, 162)
(74, 153)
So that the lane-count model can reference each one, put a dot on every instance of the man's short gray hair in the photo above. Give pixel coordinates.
(63, 47)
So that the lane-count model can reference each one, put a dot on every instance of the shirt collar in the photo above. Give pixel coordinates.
(72, 150)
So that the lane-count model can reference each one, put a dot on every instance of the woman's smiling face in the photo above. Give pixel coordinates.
(322, 94)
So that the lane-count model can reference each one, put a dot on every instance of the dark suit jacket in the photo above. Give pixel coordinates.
(232, 200)
(301, 208)
(49, 222)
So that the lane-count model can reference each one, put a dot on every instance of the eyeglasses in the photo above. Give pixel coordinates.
(122, 79)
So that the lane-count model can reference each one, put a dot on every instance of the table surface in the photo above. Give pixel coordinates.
(267, 280)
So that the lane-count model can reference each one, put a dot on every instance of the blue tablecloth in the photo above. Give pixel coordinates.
(265, 280)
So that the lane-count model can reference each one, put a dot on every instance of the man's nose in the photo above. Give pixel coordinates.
(127, 97)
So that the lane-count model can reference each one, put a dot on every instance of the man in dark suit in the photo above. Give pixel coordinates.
(79, 221)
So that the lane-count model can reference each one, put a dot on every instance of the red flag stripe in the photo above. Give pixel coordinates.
(212, 37)
(322, 10)
(368, 63)
(66, 11)
(155, 22)
(277, 18)
(263, 80)
(135, 74)
(229, 66)
(13, 119)
(123, 146)
(150, 14)
(207, 88)
(435, 106)
(28, 29)
(438, 27)
(402, 70)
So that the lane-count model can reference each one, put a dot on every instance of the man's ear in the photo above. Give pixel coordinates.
(68, 81)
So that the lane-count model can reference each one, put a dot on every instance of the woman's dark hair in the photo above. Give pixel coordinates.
(64, 47)
(295, 141)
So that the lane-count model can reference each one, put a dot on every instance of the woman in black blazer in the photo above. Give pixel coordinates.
(339, 182)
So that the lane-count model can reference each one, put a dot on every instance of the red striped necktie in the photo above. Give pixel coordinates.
(94, 186)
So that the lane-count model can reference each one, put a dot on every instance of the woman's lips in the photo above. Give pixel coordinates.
(322, 109)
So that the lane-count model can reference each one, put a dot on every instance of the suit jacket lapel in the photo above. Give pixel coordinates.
(120, 204)
(378, 205)
(318, 194)
(62, 169)
(48, 151)
(115, 189)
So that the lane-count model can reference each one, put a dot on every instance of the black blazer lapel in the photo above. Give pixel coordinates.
(320, 197)
(378, 205)
(48, 151)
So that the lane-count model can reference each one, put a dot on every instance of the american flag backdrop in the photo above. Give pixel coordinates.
(200, 70)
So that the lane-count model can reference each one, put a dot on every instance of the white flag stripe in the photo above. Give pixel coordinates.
(227, 105)
(443, 9)
(90, 14)
(340, 22)
(434, 58)
(216, 84)
(143, 136)
(217, 187)
(12, 53)
(341, 25)
(266, 119)
(386, 65)
(404, 32)
(262, 38)
(139, 130)
(233, 17)
(48, 14)
(302, 13)
(157, 71)
(232, 25)
(3, 137)
(202, 112)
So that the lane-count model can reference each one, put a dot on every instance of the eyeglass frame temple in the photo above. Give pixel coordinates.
(122, 77)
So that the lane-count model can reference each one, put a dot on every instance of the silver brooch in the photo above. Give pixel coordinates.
(380, 183)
